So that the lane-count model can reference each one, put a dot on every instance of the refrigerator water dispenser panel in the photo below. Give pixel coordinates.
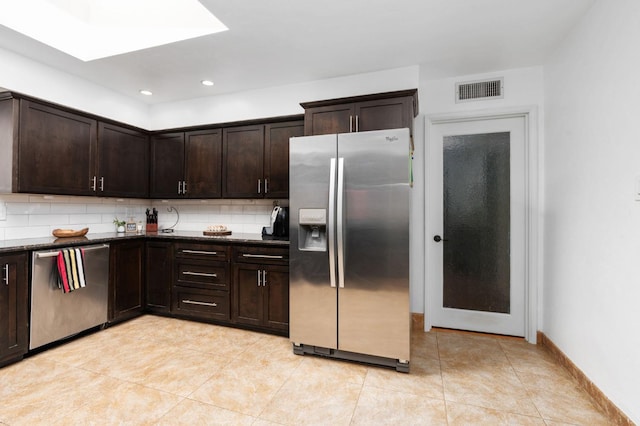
(312, 232)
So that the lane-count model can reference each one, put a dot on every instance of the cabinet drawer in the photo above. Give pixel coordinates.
(214, 275)
(202, 251)
(261, 255)
(200, 303)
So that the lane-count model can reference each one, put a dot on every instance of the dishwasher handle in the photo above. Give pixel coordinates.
(42, 255)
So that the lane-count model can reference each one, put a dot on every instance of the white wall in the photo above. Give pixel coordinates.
(523, 88)
(592, 235)
(276, 101)
(23, 75)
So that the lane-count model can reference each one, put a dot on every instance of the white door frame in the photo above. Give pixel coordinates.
(532, 222)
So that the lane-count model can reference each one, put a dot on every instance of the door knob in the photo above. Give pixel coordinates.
(438, 238)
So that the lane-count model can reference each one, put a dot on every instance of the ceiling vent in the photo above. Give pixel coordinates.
(478, 90)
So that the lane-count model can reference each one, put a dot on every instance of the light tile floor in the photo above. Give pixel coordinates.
(155, 370)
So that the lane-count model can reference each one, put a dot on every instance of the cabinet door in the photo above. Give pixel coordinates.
(248, 306)
(329, 119)
(13, 306)
(57, 152)
(276, 297)
(380, 114)
(123, 162)
(203, 153)
(276, 157)
(127, 278)
(243, 162)
(159, 273)
(167, 165)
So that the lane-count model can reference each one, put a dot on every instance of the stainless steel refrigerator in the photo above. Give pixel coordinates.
(349, 246)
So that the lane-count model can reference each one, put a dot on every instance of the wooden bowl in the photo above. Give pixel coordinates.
(66, 233)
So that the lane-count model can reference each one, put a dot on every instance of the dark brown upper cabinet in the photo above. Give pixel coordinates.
(123, 162)
(243, 169)
(256, 160)
(187, 165)
(57, 151)
(361, 113)
(53, 150)
(167, 165)
(276, 157)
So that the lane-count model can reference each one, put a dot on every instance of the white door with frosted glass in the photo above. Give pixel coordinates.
(475, 246)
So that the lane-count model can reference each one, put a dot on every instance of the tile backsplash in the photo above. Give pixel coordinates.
(35, 216)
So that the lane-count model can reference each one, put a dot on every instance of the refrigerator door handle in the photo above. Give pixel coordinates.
(332, 222)
(340, 220)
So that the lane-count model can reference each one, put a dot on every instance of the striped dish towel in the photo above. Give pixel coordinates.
(71, 269)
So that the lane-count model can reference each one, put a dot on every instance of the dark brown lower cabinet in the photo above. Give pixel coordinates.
(126, 280)
(13, 307)
(201, 281)
(159, 275)
(200, 303)
(261, 290)
(261, 296)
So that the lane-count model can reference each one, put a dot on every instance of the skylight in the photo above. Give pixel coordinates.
(94, 29)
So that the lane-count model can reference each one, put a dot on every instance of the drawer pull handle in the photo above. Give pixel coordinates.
(211, 253)
(195, 302)
(263, 256)
(6, 274)
(200, 274)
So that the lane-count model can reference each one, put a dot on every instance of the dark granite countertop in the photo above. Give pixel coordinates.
(53, 242)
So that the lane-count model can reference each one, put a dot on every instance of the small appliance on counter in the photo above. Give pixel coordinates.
(279, 225)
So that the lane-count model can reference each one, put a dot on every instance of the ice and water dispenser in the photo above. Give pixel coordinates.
(312, 232)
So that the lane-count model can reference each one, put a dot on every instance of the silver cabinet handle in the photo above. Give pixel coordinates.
(259, 186)
(340, 220)
(179, 187)
(102, 183)
(210, 253)
(266, 185)
(184, 187)
(55, 253)
(351, 123)
(6, 274)
(332, 223)
(263, 256)
(195, 302)
(259, 283)
(93, 183)
(357, 123)
(264, 277)
(200, 274)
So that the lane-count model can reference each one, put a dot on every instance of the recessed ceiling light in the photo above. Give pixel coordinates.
(207, 82)
(93, 29)
(146, 92)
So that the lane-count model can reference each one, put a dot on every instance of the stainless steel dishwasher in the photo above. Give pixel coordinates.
(55, 314)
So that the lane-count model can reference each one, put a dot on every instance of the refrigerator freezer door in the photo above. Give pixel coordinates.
(373, 306)
(313, 308)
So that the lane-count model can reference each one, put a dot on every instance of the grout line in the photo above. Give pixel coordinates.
(524, 386)
(444, 397)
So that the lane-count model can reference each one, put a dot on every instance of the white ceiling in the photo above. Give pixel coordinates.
(278, 42)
